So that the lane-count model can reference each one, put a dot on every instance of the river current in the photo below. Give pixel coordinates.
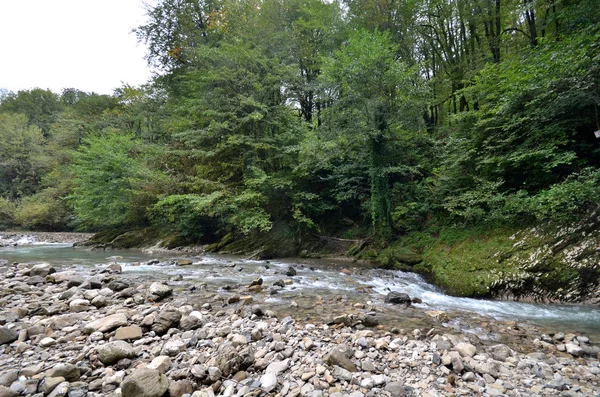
(315, 279)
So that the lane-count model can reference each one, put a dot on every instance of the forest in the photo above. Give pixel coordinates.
(362, 120)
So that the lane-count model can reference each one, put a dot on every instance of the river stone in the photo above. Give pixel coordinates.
(340, 356)
(167, 318)
(47, 342)
(145, 383)
(112, 352)
(114, 268)
(100, 301)
(8, 377)
(229, 360)
(75, 281)
(78, 389)
(160, 291)
(180, 388)
(61, 277)
(7, 335)
(500, 352)
(79, 305)
(60, 391)
(291, 272)
(68, 371)
(161, 363)
(277, 367)
(268, 382)
(36, 280)
(128, 333)
(117, 285)
(191, 321)
(341, 373)
(466, 349)
(398, 298)
(105, 324)
(50, 383)
(573, 349)
(6, 392)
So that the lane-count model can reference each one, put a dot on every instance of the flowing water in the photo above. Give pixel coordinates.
(315, 280)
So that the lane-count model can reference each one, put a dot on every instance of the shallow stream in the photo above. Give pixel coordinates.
(316, 281)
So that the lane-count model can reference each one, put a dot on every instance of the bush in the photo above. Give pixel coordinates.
(41, 212)
(7, 211)
(566, 200)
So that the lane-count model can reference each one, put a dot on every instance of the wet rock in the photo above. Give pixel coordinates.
(398, 298)
(114, 268)
(112, 352)
(184, 262)
(256, 282)
(291, 272)
(145, 383)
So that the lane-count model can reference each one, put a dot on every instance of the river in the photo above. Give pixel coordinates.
(315, 280)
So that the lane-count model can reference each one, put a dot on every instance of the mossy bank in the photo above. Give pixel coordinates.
(543, 263)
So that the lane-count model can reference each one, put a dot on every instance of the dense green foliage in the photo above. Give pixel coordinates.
(356, 118)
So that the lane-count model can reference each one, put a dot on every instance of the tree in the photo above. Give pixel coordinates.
(113, 183)
(40, 106)
(375, 99)
(22, 161)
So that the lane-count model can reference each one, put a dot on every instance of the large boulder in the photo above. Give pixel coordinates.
(398, 298)
(145, 383)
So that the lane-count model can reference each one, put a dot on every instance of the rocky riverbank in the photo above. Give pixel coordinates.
(104, 334)
(14, 239)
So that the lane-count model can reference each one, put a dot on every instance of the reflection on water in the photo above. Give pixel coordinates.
(316, 280)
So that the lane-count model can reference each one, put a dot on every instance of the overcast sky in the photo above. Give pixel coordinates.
(84, 44)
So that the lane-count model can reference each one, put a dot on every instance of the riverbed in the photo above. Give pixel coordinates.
(319, 288)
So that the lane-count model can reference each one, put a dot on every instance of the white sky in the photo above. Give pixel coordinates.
(83, 44)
